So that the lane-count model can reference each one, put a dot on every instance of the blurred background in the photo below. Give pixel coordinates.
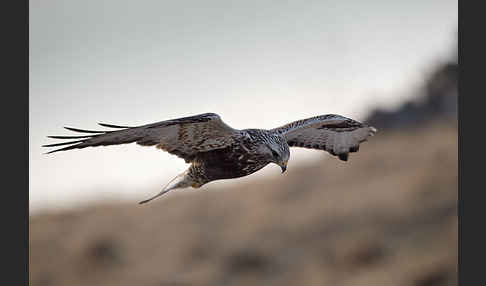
(385, 217)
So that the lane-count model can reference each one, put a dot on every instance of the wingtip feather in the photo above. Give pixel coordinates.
(61, 144)
(64, 149)
(70, 137)
(83, 131)
(112, 125)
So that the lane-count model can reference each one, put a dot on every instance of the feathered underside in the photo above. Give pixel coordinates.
(333, 133)
(184, 137)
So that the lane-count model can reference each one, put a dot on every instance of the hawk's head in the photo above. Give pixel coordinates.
(278, 151)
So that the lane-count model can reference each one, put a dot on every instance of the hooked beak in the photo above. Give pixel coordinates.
(283, 167)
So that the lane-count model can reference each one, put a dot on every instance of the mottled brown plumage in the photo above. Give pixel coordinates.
(216, 151)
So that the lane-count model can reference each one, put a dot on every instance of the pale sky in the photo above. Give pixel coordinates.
(258, 64)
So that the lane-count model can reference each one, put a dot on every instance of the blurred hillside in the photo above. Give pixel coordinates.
(437, 99)
(385, 217)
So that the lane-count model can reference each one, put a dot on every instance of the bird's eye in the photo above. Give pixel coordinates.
(275, 154)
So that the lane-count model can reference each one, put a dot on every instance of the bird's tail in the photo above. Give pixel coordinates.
(179, 182)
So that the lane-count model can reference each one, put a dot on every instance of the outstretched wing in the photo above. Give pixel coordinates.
(334, 133)
(184, 137)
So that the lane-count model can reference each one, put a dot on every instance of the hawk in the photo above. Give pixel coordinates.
(216, 151)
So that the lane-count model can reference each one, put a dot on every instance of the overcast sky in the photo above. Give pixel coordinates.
(255, 63)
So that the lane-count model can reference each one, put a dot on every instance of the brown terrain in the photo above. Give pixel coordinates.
(388, 216)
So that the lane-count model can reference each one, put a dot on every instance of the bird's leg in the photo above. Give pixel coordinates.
(179, 182)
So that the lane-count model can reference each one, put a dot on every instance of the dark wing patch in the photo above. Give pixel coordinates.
(184, 137)
(333, 133)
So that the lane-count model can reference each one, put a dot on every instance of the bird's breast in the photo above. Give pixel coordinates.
(231, 162)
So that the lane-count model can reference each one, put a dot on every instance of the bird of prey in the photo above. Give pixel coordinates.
(216, 151)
